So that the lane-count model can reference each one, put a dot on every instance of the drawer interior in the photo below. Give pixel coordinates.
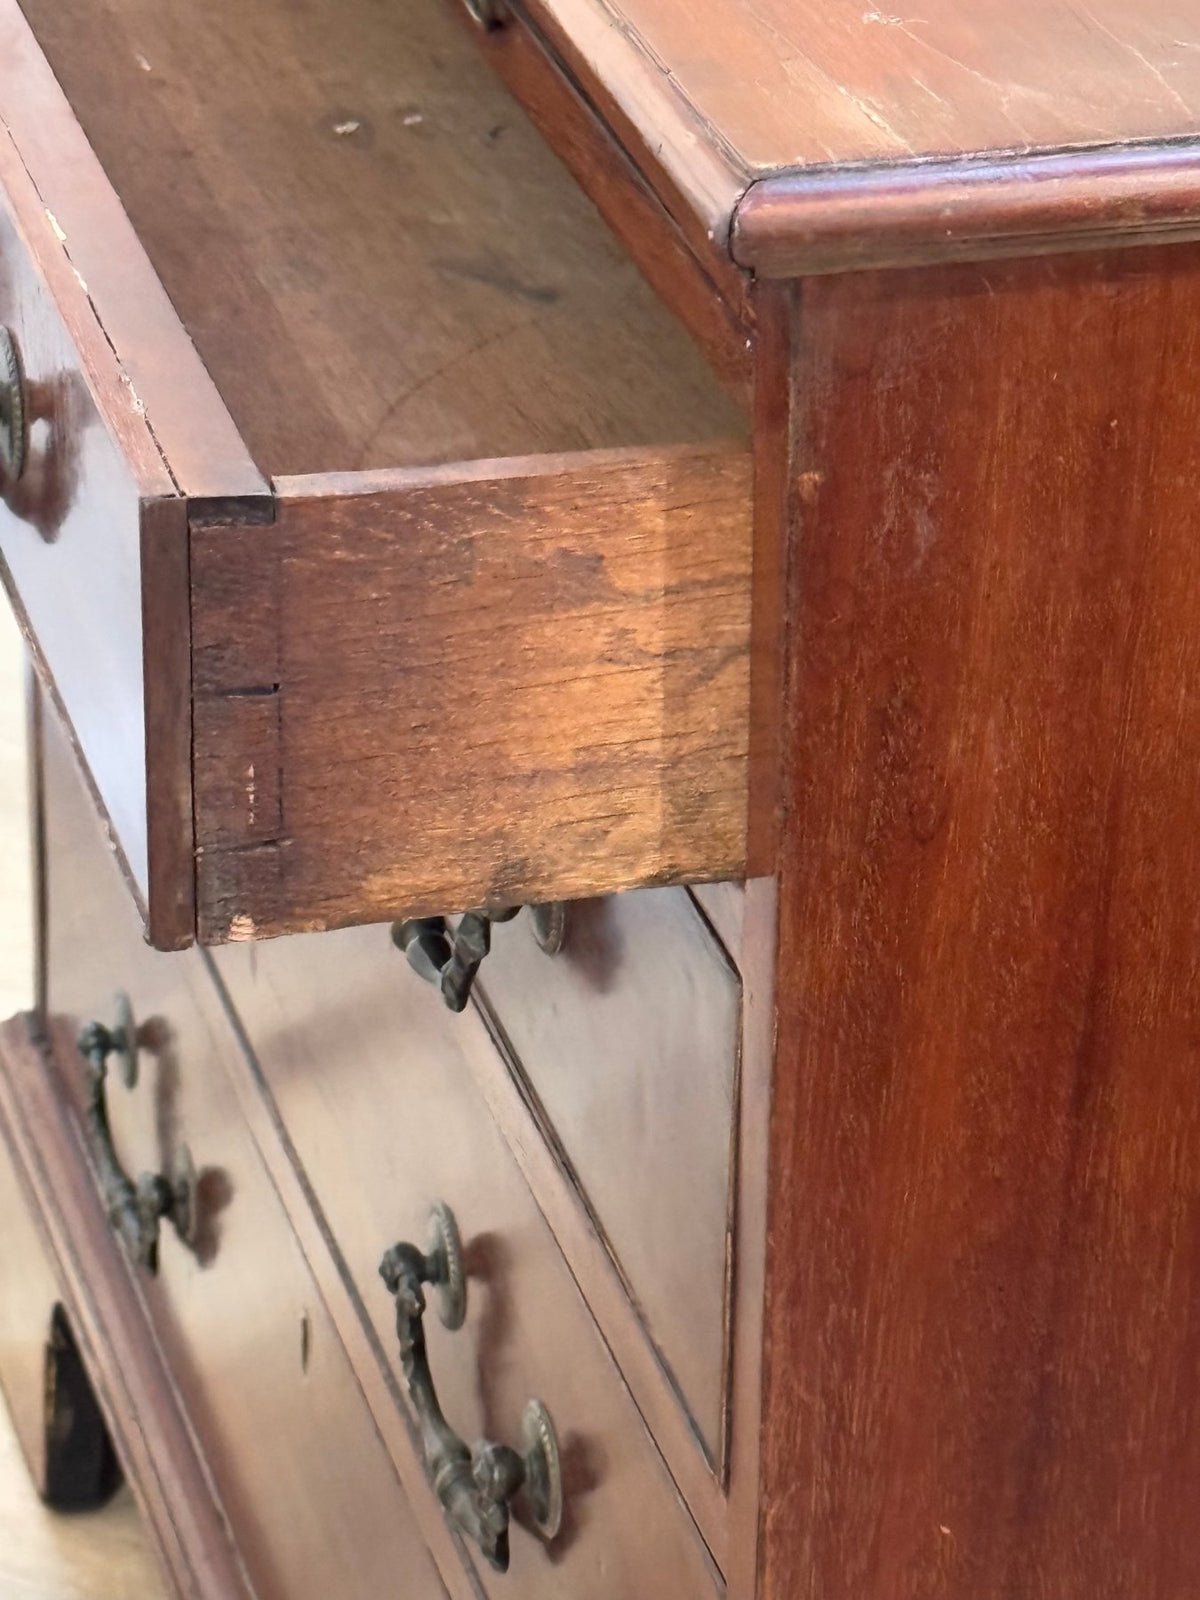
(378, 259)
(427, 525)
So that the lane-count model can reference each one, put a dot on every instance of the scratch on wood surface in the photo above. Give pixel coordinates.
(410, 391)
(1125, 45)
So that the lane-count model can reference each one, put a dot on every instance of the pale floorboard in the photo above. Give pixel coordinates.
(102, 1555)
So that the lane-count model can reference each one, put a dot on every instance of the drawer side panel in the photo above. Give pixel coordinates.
(507, 681)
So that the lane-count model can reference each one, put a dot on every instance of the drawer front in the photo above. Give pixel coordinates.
(724, 904)
(120, 420)
(311, 1494)
(71, 523)
(629, 1040)
(380, 1104)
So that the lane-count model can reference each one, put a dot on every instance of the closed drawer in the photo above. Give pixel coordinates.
(384, 539)
(379, 1101)
(312, 1497)
(627, 1041)
(724, 904)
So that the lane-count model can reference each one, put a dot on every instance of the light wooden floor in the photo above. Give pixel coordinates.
(101, 1555)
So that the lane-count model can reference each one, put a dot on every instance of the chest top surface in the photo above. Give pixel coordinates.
(798, 101)
(779, 84)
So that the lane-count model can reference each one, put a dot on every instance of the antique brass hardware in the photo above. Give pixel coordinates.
(475, 1486)
(450, 958)
(14, 426)
(487, 13)
(134, 1209)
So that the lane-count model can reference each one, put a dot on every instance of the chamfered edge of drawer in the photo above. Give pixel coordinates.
(480, 684)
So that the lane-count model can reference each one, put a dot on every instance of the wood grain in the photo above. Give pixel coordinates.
(982, 1318)
(503, 681)
(775, 373)
(806, 137)
(311, 1497)
(699, 282)
(800, 86)
(627, 1043)
(539, 1154)
(172, 389)
(379, 260)
(369, 1079)
(697, 177)
(968, 209)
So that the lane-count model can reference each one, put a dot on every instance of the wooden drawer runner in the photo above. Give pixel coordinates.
(373, 1086)
(384, 538)
(311, 1494)
(628, 1042)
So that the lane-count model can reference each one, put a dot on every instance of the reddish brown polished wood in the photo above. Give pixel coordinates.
(794, 100)
(985, 1212)
(968, 209)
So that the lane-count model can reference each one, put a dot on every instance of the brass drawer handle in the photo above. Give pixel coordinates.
(14, 425)
(475, 1486)
(487, 13)
(451, 960)
(134, 1209)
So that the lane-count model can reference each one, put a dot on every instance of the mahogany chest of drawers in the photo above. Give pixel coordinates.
(614, 609)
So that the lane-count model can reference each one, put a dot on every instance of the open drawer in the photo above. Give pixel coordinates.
(383, 538)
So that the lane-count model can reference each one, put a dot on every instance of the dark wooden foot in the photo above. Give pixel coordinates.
(81, 1468)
